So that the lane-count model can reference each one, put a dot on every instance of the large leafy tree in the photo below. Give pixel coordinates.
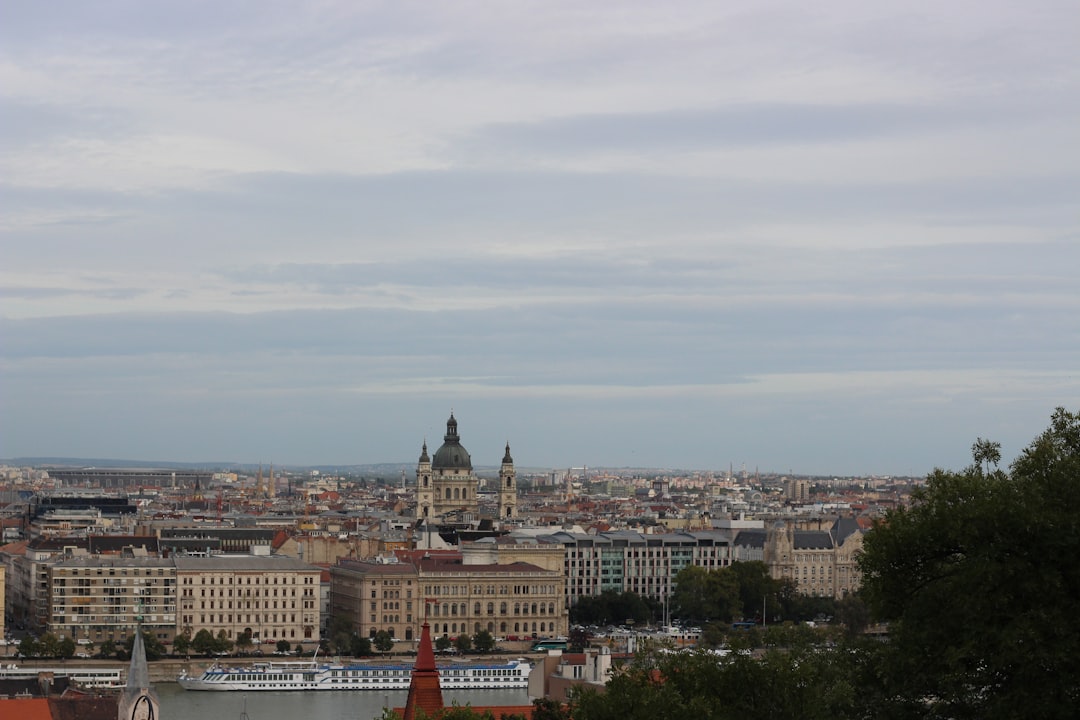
(796, 683)
(705, 595)
(979, 580)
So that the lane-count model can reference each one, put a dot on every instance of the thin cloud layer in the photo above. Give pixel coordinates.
(836, 238)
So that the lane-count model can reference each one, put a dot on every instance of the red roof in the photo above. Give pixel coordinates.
(25, 709)
(424, 689)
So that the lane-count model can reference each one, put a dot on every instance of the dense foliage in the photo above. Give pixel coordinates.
(980, 584)
(744, 590)
(612, 608)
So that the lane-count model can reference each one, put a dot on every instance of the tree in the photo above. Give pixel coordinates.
(203, 642)
(702, 595)
(579, 639)
(986, 452)
(66, 648)
(383, 641)
(29, 647)
(979, 582)
(463, 643)
(360, 647)
(442, 643)
(222, 643)
(50, 645)
(182, 644)
(483, 641)
(780, 684)
(243, 642)
(282, 646)
(153, 647)
(107, 649)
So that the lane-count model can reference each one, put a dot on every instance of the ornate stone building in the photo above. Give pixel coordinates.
(821, 562)
(446, 485)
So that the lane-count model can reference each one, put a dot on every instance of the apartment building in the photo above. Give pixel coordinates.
(103, 598)
(377, 595)
(627, 561)
(267, 597)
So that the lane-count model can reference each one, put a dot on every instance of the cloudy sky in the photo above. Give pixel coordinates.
(838, 237)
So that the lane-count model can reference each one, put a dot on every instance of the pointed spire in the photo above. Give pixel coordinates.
(424, 458)
(138, 673)
(138, 698)
(507, 460)
(425, 692)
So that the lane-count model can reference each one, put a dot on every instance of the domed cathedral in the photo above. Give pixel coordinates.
(446, 484)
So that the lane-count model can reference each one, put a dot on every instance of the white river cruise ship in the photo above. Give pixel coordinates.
(311, 675)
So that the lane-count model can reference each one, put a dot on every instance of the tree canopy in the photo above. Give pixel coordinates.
(979, 581)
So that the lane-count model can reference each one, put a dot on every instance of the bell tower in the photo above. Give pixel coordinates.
(507, 487)
(425, 493)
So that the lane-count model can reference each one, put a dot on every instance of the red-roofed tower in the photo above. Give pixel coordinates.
(425, 692)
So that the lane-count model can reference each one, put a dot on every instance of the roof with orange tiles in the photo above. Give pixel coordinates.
(25, 708)
(15, 548)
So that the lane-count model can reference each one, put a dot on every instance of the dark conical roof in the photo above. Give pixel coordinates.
(423, 454)
(507, 460)
(451, 455)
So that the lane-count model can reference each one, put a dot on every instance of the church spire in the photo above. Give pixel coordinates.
(425, 692)
(138, 701)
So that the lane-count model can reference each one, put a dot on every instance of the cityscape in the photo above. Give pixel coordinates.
(539, 360)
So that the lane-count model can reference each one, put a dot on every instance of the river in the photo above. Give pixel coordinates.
(180, 704)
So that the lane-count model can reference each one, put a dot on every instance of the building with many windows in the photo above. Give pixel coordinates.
(103, 598)
(821, 562)
(458, 597)
(267, 597)
(503, 599)
(628, 561)
(377, 595)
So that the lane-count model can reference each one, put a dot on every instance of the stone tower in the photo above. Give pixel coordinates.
(425, 498)
(507, 487)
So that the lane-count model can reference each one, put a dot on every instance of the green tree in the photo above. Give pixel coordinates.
(222, 643)
(547, 709)
(107, 649)
(463, 643)
(979, 582)
(203, 642)
(578, 639)
(704, 595)
(484, 641)
(282, 646)
(779, 685)
(343, 641)
(383, 641)
(153, 647)
(49, 645)
(360, 647)
(182, 644)
(243, 642)
(29, 647)
(442, 643)
(67, 648)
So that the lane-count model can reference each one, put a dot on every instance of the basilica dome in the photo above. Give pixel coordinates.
(451, 455)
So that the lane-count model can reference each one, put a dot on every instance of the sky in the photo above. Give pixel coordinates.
(829, 238)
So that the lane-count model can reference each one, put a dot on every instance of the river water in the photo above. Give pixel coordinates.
(180, 704)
